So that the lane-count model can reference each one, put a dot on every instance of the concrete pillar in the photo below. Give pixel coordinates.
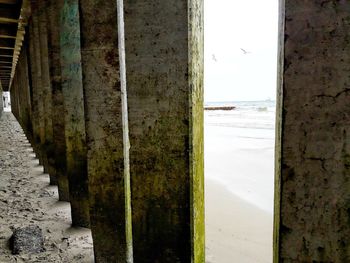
(164, 62)
(34, 90)
(38, 97)
(17, 98)
(108, 194)
(14, 101)
(46, 98)
(312, 221)
(24, 91)
(17, 83)
(20, 92)
(72, 90)
(58, 135)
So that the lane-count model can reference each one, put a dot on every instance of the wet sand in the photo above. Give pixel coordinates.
(236, 231)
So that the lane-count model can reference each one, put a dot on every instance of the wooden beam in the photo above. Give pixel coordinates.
(25, 12)
(6, 36)
(4, 20)
(11, 2)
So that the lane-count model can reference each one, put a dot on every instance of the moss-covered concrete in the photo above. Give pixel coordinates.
(196, 144)
(58, 129)
(72, 90)
(164, 60)
(24, 89)
(48, 146)
(314, 180)
(20, 94)
(39, 88)
(101, 81)
(34, 91)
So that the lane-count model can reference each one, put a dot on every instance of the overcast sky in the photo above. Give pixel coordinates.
(233, 25)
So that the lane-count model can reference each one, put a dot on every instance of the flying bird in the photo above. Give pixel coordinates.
(214, 58)
(245, 52)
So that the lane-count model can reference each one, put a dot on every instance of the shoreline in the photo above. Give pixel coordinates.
(253, 200)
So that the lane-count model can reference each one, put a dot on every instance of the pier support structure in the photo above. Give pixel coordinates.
(147, 205)
(313, 136)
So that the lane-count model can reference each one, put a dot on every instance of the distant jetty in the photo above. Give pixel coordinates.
(219, 108)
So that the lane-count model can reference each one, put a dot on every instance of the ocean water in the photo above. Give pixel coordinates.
(239, 150)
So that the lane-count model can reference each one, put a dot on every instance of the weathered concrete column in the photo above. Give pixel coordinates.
(34, 90)
(58, 136)
(15, 98)
(14, 101)
(313, 165)
(164, 62)
(38, 94)
(25, 91)
(21, 91)
(72, 90)
(108, 193)
(48, 146)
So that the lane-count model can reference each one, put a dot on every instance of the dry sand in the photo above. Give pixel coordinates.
(26, 198)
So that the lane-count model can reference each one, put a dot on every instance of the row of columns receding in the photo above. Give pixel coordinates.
(67, 95)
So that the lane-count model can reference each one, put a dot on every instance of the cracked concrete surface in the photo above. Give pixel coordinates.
(315, 144)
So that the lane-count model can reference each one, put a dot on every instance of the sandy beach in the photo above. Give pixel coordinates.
(236, 231)
(26, 198)
(239, 154)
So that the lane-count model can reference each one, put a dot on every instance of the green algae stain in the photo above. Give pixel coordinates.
(196, 70)
(72, 89)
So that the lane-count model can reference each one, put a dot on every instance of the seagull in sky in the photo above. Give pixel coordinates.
(245, 52)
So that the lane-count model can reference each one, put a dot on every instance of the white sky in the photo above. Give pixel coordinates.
(229, 26)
